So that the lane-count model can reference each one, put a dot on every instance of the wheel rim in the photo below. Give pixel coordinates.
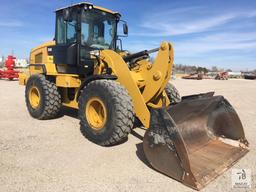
(34, 97)
(96, 113)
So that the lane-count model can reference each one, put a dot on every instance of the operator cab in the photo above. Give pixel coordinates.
(80, 30)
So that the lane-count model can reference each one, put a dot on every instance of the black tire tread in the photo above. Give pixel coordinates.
(124, 110)
(52, 98)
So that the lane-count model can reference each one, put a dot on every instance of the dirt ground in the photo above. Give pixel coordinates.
(54, 156)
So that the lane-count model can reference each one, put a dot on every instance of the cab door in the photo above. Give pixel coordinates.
(66, 49)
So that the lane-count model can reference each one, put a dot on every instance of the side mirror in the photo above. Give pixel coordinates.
(122, 32)
(125, 29)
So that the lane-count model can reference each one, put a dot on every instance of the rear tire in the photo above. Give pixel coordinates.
(115, 114)
(172, 94)
(42, 98)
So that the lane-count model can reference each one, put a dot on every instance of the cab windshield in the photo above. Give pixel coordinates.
(98, 29)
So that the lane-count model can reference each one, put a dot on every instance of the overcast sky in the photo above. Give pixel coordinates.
(203, 32)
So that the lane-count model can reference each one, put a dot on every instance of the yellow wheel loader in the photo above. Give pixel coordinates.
(192, 139)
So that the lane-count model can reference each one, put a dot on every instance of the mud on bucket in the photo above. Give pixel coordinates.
(196, 140)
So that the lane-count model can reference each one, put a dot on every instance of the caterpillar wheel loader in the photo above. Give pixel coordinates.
(192, 139)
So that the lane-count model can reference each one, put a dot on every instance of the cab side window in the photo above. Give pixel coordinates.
(71, 32)
(61, 30)
(66, 31)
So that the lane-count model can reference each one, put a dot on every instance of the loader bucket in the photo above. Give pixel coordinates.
(195, 140)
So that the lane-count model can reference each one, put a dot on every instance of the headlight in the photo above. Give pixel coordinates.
(95, 52)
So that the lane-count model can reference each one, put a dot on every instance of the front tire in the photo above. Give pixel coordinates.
(105, 112)
(42, 98)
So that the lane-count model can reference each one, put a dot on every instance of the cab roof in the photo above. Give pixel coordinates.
(89, 4)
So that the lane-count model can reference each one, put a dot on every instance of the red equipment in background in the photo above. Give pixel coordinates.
(222, 76)
(9, 72)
